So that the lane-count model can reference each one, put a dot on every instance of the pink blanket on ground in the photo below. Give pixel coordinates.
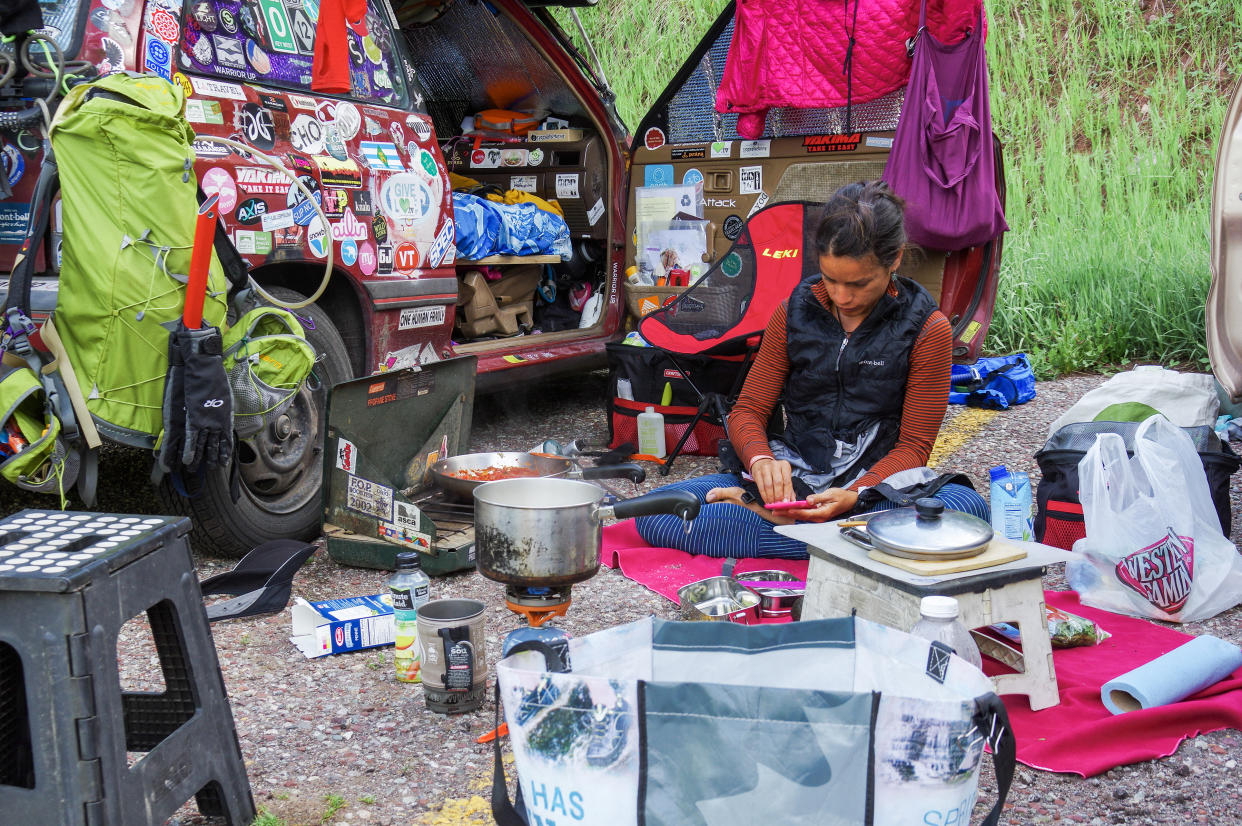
(1080, 735)
(664, 570)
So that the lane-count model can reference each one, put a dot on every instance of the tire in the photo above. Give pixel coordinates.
(280, 468)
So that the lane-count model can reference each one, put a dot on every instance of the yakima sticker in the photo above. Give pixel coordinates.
(260, 180)
(831, 143)
(414, 317)
(1161, 573)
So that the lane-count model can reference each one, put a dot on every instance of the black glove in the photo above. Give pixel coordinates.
(208, 401)
(174, 407)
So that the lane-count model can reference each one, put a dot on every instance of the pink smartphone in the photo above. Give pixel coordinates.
(784, 506)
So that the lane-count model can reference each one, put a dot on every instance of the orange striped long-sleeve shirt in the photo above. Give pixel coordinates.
(927, 395)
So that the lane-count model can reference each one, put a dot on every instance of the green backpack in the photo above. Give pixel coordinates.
(128, 205)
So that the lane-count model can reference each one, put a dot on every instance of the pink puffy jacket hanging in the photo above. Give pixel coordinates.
(942, 161)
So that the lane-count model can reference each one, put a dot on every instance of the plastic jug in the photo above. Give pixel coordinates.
(651, 433)
(1011, 503)
(939, 623)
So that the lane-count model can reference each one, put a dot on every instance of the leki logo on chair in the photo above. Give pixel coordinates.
(1162, 573)
(769, 253)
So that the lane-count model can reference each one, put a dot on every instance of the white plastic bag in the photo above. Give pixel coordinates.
(1188, 399)
(1153, 546)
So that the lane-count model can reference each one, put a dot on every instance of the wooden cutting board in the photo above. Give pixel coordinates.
(999, 551)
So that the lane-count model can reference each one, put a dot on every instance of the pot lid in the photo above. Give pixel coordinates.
(930, 530)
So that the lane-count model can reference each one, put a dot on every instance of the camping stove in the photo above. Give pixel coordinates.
(538, 605)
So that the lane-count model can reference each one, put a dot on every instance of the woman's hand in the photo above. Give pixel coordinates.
(774, 478)
(826, 506)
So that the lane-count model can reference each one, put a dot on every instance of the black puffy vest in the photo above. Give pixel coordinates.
(826, 400)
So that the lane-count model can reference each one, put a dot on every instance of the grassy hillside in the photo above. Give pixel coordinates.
(1109, 112)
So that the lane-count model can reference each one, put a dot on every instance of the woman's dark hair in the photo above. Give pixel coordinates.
(861, 219)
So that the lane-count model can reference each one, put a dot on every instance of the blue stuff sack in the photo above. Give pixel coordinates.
(487, 227)
(996, 382)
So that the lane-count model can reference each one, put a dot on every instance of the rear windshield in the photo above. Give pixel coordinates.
(61, 20)
(266, 41)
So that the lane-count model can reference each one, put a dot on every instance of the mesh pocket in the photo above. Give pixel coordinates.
(255, 403)
(703, 439)
(1063, 524)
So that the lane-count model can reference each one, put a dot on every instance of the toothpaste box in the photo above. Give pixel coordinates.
(338, 625)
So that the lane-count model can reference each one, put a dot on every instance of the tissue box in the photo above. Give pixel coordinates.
(338, 625)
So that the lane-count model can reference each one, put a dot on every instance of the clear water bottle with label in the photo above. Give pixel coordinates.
(939, 623)
(410, 588)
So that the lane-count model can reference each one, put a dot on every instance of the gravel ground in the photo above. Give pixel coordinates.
(338, 740)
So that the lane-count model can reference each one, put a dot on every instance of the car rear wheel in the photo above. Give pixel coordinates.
(280, 469)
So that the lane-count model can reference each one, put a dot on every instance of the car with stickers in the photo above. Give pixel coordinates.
(386, 120)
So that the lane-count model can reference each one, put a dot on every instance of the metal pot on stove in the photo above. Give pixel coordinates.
(538, 532)
(926, 531)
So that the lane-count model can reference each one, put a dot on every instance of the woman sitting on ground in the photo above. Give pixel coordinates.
(860, 358)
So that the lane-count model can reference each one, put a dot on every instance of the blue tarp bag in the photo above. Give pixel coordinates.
(996, 382)
(487, 227)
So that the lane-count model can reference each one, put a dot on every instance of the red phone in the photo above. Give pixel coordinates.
(784, 506)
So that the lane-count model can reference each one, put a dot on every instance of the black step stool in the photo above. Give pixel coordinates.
(68, 583)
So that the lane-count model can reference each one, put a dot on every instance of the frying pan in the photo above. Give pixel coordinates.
(545, 465)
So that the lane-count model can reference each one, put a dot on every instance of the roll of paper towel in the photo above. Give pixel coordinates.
(1173, 676)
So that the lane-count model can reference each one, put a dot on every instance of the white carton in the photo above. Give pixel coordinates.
(338, 625)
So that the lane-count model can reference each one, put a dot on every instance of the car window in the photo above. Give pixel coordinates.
(273, 42)
(61, 20)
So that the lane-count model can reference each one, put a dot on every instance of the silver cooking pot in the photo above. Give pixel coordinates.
(536, 532)
(926, 531)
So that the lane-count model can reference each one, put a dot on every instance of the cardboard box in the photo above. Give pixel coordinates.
(553, 135)
(338, 625)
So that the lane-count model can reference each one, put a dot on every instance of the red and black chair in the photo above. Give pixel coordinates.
(724, 313)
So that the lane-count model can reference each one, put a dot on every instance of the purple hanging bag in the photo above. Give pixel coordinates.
(942, 162)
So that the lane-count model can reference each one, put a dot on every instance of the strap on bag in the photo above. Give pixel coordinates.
(991, 717)
(907, 496)
(503, 811)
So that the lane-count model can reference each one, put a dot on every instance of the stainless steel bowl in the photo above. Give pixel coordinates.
(718, 599)
(777, 590)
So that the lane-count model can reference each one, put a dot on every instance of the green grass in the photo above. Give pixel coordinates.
(266, 818)
(1110, 114)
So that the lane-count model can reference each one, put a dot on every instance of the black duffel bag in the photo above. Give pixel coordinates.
(1058, 510)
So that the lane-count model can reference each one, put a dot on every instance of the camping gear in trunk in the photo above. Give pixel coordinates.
(546, 532)
(460, 475)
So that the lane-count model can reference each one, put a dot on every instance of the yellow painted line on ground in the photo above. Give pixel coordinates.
(959, 430)
(468, 811)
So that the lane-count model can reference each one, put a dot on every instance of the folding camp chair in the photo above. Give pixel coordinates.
(723, 315)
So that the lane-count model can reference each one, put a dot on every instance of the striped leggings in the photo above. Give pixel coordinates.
(723, 529)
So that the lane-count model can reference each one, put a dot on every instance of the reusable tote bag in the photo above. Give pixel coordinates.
(941, 162)
(1154, 547)
(836, 721)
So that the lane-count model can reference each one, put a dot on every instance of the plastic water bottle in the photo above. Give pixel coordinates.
(410, 588)
(939, 623)
(651, 433)
(1011, 503)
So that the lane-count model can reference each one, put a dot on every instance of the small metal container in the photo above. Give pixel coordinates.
(777, 590)
(718, 599)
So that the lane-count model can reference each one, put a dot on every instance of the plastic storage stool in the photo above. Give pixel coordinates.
(68, 583)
